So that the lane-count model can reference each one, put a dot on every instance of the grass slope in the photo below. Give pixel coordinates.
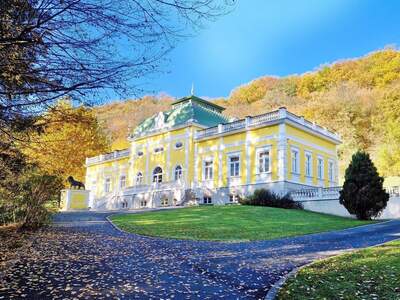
(230, 223)
(372, 273)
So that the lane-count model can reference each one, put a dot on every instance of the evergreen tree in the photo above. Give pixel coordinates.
(363, 194)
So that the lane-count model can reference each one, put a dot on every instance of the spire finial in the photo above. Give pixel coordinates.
(192, 90)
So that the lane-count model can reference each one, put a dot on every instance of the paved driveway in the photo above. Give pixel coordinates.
(84, 257)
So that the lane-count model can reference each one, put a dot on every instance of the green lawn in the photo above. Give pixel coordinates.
(230, 223)
(372, 273)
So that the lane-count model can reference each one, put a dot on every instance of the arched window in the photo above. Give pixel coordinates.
(139, 178)
(178, 173)
(157, 175)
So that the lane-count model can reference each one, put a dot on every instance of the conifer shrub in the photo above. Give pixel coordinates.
(363, 194)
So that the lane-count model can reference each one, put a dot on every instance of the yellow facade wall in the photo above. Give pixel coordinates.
(97, 173)
(168, 159)
(244, 143)
(317, 146)
(236, 143)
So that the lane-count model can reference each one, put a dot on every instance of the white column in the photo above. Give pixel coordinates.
(168, 171)
(282, 152)
(220, 151)
(187, 141)
(131, 174)
(196, 164)
(147, 175)
(248, 158)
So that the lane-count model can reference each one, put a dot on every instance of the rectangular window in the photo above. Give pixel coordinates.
(263, 161)
(122, 181)
(295, 161)
(107, 185)
(233, 198)
(320, 168)
(208, 170)
(158, 149)
(207, 200)
(308, 164)
(331, 172)
(234, 166)
(143, 203)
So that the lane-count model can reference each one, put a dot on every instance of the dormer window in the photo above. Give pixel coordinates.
(158, 149)
(178, 145)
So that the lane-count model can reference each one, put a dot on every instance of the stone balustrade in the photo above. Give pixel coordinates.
(331, 193)
(108, 156)
(264, 119)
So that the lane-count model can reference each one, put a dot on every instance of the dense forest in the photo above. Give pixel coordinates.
(359, 98)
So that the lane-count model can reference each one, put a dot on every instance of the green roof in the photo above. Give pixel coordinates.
(184, 111)
(199, 101)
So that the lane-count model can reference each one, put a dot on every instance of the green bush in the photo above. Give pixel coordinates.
(263, 197)
(363, 194)
(30, 199)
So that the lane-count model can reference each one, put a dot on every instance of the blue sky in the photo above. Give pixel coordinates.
(263, 37)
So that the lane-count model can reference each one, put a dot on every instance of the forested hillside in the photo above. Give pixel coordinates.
(359, 98)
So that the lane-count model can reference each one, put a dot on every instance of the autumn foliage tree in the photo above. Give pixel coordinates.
(69, 136)
(387, 130)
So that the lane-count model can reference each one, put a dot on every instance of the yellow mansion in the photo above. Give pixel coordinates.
(193, 154)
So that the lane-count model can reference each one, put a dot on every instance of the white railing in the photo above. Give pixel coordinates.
(266, 118)
(313, 126)
(107, 201)
(156, 186)
(331, 193)
(207, 132)
(234, 125)
(394, 191)
(239, 124)
(108, 156)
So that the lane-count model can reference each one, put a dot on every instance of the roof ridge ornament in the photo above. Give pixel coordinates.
(192, 90)
(159, 120)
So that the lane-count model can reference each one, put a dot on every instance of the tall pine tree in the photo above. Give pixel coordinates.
(363, 194)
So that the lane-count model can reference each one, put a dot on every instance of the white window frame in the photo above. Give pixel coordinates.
(320, 175)
(259, 150)
(308, 168)
(157, 176)
(331, 171)
(180, 175)
(139, 178)
(207, 199)
(164, 201)
(295, 163)
(120, 181)
(107, 184)
(210, 176)
(179, 148)
(236, 164)
(233, 198)
(139, 153)
(161, 150)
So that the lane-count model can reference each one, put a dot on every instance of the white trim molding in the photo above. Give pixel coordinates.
(264, 176)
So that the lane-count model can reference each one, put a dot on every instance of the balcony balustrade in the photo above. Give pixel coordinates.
(108, 156)
(264, 119)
